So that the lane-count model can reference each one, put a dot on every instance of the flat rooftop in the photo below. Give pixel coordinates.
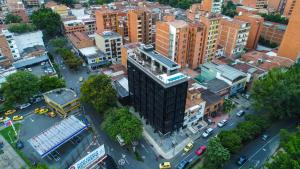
(149, 51)
(55, 136)
(61, 96)
(107, 34)
(161, 68)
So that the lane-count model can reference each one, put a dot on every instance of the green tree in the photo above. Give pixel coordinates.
(11, 18)
(251, 128)
(21, 27)
(228, 106)
(216, 155)
(47, 83)
(289, 155)
(230, 140)
(19, 88)
(99, 2)
(275, 17)
(97, 91)
(229, 9)
(278, 93)
(58, 42)
(184, 4)
(121, 121)
(40, 166)
(48, 21)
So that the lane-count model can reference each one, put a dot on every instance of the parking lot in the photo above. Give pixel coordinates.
(33, 124)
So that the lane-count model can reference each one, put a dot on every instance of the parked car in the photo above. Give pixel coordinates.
(183, 164)
(240, 113)
(51, 114)
(3, 119)
(43, 111)
(188, 147)
(241, 160)
(80, 79)
(165, 165)
(17, 118)
(9, 112)
(265, 137)
(207, 132)
(23, 106)
(222, 123)
(200, 150)
(19, 144)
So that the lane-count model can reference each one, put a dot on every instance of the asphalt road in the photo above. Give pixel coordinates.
(258, 151)
(191, 156)
(120, 155)
(146, 151)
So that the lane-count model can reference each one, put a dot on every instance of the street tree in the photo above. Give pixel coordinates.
(228, 105)
(288, 156)
(250, 128)
(39, 166)
(11, 18)
(48, 21)
(97, 91)
(230, 140)
(21, 27)
(216, 154)
(120, 121)
(47, 83)
(19, 88)
(278, 93)
(58, 42)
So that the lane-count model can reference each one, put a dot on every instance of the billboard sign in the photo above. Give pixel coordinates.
(89, 159)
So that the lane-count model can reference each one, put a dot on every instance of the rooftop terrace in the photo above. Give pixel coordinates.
(156, 65)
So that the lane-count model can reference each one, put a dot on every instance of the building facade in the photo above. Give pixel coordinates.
(139, 26)
(157, 90)
(273, 32)
(258, 4)
(256, 26)
(74, 26)
(110, 43)
(290, 45)
(233, 36)
(212, 24)
(106, 20)
(197, 32)
(172, 40)
(290, 7)
(214, 6)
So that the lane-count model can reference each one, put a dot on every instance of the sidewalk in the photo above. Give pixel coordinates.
(10, 159)
(166, 146)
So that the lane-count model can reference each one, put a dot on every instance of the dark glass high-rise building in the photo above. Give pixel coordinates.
(157, 90)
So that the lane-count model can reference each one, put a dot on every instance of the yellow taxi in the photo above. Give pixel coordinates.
(51, 114)
(9, 112)
(43, 111)
(17, 118)
(165, 165)
(37, 110)
(188, 147)
(2, 119)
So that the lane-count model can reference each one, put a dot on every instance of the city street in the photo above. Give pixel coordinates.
(123, 157)
(126, 159)
(258, 151)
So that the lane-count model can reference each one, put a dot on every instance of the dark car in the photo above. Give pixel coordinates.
(241, 160)
(19, 144)
(183, 164)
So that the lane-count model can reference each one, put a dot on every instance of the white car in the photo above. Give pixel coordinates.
(240, 113)
(23, 106)
(207, 132)
(222, 123)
